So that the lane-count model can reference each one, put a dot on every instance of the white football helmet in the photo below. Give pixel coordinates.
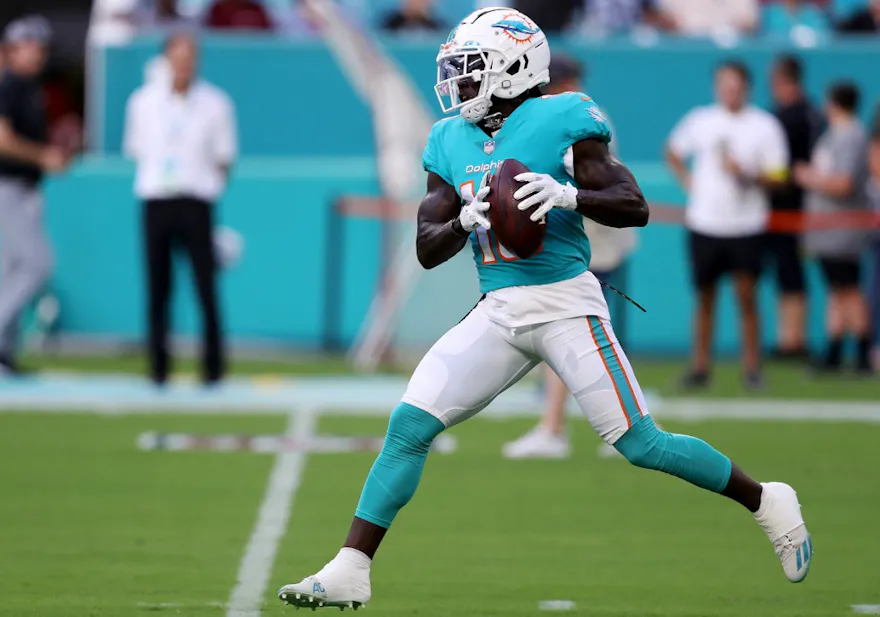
(495, 51)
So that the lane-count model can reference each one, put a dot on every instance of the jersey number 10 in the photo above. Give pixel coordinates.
(492, 249)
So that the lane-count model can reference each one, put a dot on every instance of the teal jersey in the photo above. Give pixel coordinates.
(538, 134)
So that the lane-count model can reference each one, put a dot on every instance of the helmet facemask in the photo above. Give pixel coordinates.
(468, 78)
(463, 83)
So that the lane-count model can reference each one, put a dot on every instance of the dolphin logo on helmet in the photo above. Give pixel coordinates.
(516, 29)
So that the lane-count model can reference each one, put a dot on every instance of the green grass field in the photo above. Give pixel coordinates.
(91, 526)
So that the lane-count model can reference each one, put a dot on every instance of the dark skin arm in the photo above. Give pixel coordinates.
(440, 235)
(609, 193)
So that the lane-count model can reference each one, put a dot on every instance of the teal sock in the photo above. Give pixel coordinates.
(393, 479)
(682, 456)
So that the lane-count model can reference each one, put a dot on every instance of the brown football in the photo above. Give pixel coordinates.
(514, 229)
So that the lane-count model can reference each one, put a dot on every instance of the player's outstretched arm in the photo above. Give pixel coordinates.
(609, 193)
(440, 235)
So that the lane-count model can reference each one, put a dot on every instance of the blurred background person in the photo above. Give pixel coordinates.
(802, 124)
(299, 21)
(835, 181)
(874, 198)
(183, 138)
(413, 16)
(739, 153)
(238, 15)
(863, 21)
(710, 18)
(794, 19)
(163, 15)
(609, 248)
(621, 16)
(25, 154)
(554, 16)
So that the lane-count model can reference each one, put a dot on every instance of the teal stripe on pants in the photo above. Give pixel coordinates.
(624, 388)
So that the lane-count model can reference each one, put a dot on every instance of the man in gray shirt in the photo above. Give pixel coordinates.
(835, 181)
(25, 155)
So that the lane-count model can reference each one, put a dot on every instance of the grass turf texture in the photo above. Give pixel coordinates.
(89, 526)
(485, 536)
(789, 381)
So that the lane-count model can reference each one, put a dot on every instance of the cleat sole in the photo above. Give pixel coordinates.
(305, 600)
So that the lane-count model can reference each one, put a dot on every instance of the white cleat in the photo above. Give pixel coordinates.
(342, 583)
(780, 518)
(539, 443)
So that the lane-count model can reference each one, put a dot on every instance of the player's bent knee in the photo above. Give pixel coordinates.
(411, 430)
(395, 474)
(643, 444)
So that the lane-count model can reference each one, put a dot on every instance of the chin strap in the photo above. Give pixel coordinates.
(493, 122)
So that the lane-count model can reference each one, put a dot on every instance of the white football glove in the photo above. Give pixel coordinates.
(546, 193)
(473, 215)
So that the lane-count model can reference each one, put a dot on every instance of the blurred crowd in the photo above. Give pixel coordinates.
(767, 189)
(797, 18)
(805, 21)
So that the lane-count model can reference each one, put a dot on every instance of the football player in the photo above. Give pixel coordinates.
(548, 307)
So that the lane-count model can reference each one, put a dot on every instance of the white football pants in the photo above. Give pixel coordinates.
(479, 359)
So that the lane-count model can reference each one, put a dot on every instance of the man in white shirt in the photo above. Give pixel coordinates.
(739, 153)
(181, 133)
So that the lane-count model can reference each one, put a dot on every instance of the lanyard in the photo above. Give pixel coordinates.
(175, 127)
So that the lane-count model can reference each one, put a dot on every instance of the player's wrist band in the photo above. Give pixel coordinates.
(458, 229)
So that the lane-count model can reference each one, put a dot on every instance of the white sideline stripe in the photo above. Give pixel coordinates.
(769, 410)
(370, 405)
(257, 563)
(758, 410)
(866, 609)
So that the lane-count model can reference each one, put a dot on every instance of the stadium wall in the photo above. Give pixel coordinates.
(282, 207)
(307, 140)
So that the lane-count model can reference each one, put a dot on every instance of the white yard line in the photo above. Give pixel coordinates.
(157, 606)
(556, 605)
(257, 563)
(369, 405)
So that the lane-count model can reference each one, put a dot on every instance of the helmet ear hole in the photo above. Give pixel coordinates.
(513, 69)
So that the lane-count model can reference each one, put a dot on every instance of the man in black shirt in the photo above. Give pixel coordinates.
(24, 157)
(803, 125)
